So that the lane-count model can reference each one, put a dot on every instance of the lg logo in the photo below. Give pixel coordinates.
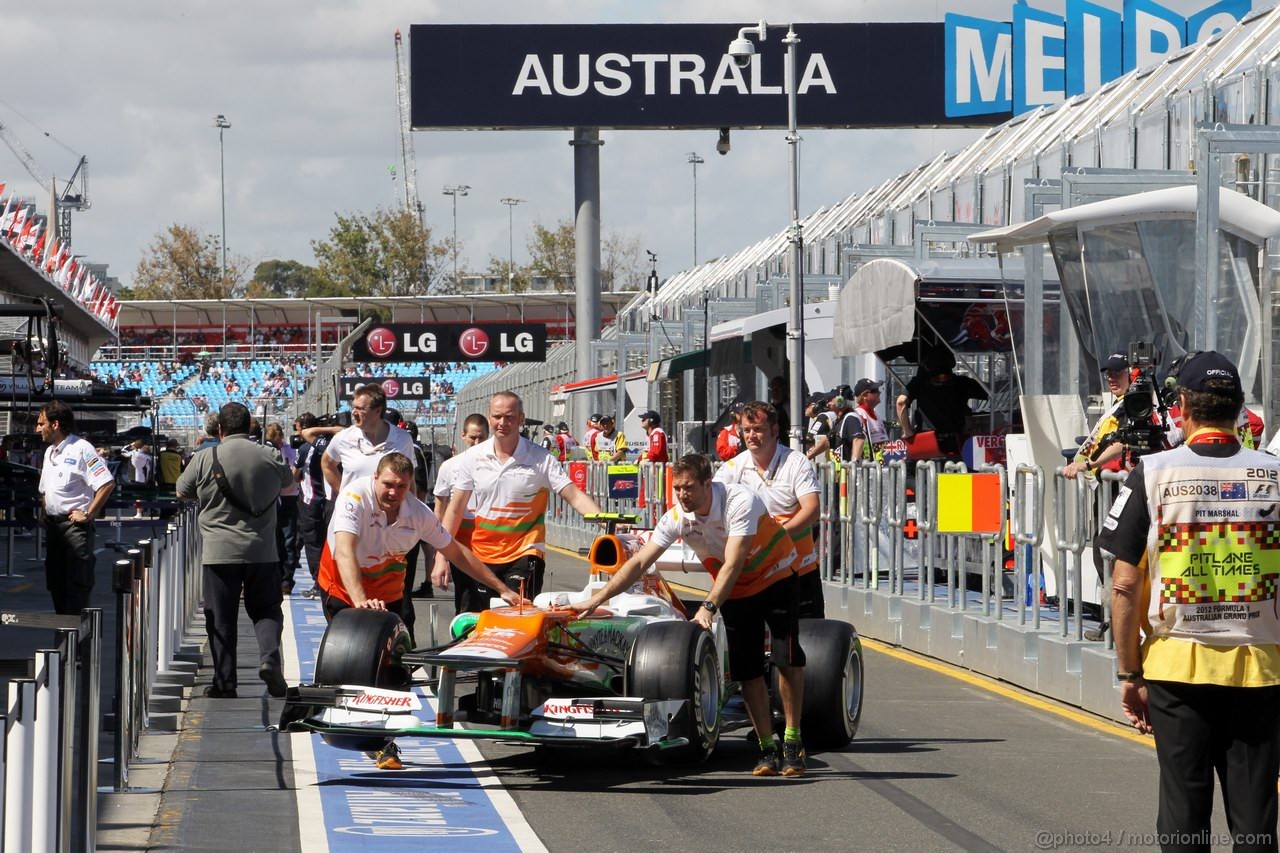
(381, 342)
(473, 343)
(391, 388)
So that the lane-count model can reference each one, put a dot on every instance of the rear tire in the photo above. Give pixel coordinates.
(677, 660)
(832, 683)
(363, 647)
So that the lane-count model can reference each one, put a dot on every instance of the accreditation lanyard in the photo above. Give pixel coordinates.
(1213, 436)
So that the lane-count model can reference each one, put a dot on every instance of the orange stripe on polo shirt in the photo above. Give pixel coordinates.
(511, 531)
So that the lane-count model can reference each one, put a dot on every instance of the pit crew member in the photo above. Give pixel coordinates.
(656, 449)
(475, 429)
(751, 558)
(788, 486)
(511, 479)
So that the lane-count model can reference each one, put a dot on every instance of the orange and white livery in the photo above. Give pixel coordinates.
(789, 477)
(380, 547)
(735, 511)
(509, 498)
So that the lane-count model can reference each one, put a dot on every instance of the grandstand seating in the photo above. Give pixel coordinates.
(186, 396)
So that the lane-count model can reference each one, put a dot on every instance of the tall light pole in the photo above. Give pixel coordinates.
(511, 253)
(455, 191)
(743, 53)
(221, 123)
(694, 160)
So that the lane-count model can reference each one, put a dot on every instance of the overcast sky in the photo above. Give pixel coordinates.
(309, 89)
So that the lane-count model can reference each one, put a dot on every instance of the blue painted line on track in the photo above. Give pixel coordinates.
(438, 797)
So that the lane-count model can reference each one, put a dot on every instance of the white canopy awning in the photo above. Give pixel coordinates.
(876, 308)
(1238, 214)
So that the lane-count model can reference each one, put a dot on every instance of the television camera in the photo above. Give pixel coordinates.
(1143, 417)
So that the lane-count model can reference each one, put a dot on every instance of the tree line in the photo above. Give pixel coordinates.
(388, 253)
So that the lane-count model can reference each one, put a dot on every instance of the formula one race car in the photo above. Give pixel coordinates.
(636, 673)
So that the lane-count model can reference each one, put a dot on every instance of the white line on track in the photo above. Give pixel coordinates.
(312, 835)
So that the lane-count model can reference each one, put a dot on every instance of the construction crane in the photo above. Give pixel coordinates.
(408, 158)
(75, 192)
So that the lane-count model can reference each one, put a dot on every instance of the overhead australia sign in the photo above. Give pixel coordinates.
(423, 342)
(675, 76)
(1041, 58)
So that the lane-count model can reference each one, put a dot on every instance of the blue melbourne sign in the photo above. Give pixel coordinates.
(1041, 58)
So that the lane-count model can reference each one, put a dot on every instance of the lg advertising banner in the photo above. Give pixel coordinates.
(674, 75)
(423, 342)
(395, 387)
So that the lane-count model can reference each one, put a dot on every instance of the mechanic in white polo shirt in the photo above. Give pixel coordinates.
(376, 520)
(74, 486)
(354, 451)
(511, 479)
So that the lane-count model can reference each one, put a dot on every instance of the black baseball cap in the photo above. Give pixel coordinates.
(650, 415)
(1116, 361)
(1204, 367)
(594, 419)
(865, 385)
(816, 399)
(841, 391)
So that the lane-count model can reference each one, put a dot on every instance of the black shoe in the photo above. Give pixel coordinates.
(793, 758)
(212, 692)
(286, 588)
(423, 591)
(1096, 634)
(768, 763)
(314, 592)
(270, 673)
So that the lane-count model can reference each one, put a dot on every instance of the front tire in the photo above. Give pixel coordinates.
(364, 647)
(832, 683)
(677, 660)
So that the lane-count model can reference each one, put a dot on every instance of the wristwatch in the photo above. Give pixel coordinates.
(710, 606)
(1129, 676)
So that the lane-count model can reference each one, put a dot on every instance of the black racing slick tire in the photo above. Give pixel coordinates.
(364, 647)
(832, 683)
(677, 660)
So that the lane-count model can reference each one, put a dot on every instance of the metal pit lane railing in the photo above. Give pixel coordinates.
(877, 529)
(52, 717)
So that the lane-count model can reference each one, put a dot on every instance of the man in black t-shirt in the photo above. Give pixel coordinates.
(942, 397)
(310, 476)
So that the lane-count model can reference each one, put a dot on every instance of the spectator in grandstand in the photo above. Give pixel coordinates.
(1194, 577)
(475, 429)
(287, 540)
(74, 486)
(942, 397)
(607, 444)
(751, 560)
(729, 440)
(211, 433)
(170, 463)
(656, 449)
(511, 478)
(821, 422)
(237, 528)
(788, 486)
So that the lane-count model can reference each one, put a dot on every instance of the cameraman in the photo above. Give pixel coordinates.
(1118, 378)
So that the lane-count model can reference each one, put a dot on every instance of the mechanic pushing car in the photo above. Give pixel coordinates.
(751, 557)
(510, 478)
(376, 520)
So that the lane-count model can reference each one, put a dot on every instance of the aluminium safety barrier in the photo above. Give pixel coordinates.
(48, 782)
(49, 757)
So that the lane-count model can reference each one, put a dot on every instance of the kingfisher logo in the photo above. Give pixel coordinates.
(381, 342)
(1041, 58)
(473, 342)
